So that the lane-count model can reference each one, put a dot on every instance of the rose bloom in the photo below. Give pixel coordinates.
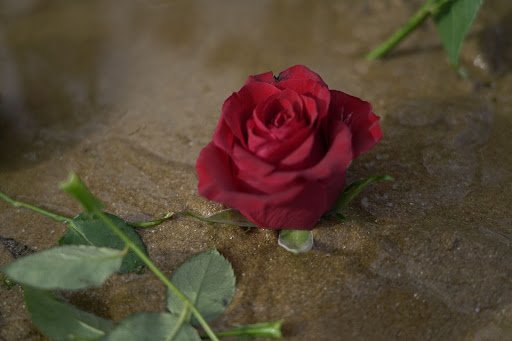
(282, 146)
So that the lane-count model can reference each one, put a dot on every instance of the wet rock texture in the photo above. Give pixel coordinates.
(126, 94)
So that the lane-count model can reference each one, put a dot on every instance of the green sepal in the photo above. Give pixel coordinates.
(296, 241)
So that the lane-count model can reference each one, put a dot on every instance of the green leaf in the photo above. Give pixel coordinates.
(153, 327)
(62, 321)
(353, 190)
(228, 217)
(88, 229)
(453, 22)
(76, 188)
(296, 241)
(65, 267)
(208, 280)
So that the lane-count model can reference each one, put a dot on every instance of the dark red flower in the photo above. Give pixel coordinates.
(282, 146)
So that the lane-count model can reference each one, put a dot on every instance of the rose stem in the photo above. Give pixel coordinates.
(156, 271)
(52, 215)
(76, 188)
(428, 8)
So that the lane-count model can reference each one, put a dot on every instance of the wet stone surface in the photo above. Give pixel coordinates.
(127, 93)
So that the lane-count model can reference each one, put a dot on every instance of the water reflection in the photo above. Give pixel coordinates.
(62, 65)
(49, 54)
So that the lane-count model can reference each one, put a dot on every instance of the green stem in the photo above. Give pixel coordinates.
(429, 7)
(76, 188)
(152, 223)
(156, 271)
(270, 330)
(20, 204)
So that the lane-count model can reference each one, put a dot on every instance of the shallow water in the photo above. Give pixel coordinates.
(127, 92)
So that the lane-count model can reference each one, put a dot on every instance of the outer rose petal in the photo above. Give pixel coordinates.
(300, 72)
(267, 77)
(214, 172)
(358, 115)
(291, 208)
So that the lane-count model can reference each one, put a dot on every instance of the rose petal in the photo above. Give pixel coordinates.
(264, 176)
(255, 172)
(300, 72)
(239, 106)
(306, 155)
(310, 110)
(267, 77)
(264, 114)
(275, 144)
(256, 137)
(214, 172)
(223, 137)
(250, 163)
(358, 115)
(291, 208)
(318, 92)
(276, 150)
(329, 170)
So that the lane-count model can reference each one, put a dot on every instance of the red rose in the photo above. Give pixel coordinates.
(282, 146)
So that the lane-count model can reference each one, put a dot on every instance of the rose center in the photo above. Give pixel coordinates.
(280, 119)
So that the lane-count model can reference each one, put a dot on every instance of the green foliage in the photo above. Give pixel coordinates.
(354, 189)
(76, 188)
(88, 229)
(452, 17)
(204, 285)
(65, 267)
(453, 22)
(153, 327)
(228, 217)
(62, 321)
(296, 241)
(208, 280)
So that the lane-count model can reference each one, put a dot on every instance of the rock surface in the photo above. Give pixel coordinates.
(126, 93)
